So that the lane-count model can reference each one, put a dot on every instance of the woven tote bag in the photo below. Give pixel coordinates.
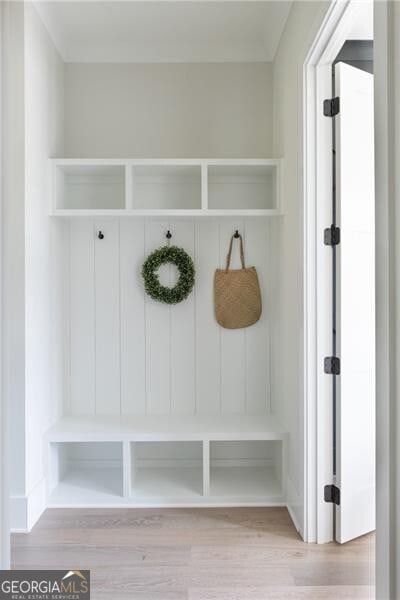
(237, 294)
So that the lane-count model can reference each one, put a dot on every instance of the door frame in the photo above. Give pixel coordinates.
(318, 524)
(317, 190)
(4, 490)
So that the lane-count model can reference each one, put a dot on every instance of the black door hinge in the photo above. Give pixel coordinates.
(332, 494)
(331, 107)
(332, 365)
(332, 236)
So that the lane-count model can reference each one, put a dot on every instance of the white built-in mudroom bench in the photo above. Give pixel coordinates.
(166, 460)
(163, 407)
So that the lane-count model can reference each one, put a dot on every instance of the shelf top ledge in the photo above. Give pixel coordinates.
(124, 213)
(165, 161)
(166, 428)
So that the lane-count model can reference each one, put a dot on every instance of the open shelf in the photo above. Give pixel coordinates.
(246, 469)
(166, 187)
(242, 187)
(90, 187)
(166, 470)
(166, 461)
(85, 473)
(181, 187)
(245, 482)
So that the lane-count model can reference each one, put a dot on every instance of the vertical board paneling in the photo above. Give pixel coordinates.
(233, 347)
(256, 336)
(275, 309)
(158, 334)
(107, 335)
(132, 355)
(133, 340)
(208, 332)
(82, 349)
(183, 333)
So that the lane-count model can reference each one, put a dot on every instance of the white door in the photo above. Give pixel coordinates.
(355, 407)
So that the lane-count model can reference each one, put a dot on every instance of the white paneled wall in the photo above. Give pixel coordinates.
(132, 355)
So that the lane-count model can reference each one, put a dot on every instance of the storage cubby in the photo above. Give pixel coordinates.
(90, 187)
(140, 187)
(167, 471)
(243, 187)
(165, 187)
(85, 473)
(247, 469)
(169, 460)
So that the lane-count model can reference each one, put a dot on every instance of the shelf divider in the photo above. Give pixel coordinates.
(204, 186)
(127, 469)
(129, 188)
(206, 468)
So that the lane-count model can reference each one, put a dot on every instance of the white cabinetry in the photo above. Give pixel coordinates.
(166, 461)
(168, 187)
(163, 406)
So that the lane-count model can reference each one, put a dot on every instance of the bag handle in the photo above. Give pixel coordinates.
(228, 258)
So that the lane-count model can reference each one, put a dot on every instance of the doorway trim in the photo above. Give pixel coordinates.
(4, 491)
(317, 190)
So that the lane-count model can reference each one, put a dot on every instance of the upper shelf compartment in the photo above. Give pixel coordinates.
(89, 187)
(242, 187)
(166, 187)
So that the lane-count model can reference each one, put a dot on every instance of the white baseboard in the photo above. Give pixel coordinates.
(294, 505)
(26, 510)
(18, 514)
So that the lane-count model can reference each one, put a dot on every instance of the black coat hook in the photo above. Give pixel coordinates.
(236, 234)
(100, 235)
(168, 235)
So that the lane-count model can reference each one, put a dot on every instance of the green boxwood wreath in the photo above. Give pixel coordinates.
(185, 265)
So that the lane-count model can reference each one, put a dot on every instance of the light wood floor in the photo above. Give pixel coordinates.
(196, 554)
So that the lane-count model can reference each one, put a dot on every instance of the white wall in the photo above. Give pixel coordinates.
(4, 492)
(44, 324)
(387, 145)
(132, 355)
(13, 242)
(11, 151)
(287, 358)
(168, 110)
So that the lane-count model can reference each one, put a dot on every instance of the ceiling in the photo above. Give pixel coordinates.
(165, 31)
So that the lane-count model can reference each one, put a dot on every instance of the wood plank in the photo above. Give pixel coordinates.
(208, 332)
(257, 336)
(143, 594)
(94, 558)
(183, 333)
(233, 349)
(82, 322)
(179, 578)
(337, 592)
(333, 573)
(158, 334)
(133, 335)
(108, 375)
